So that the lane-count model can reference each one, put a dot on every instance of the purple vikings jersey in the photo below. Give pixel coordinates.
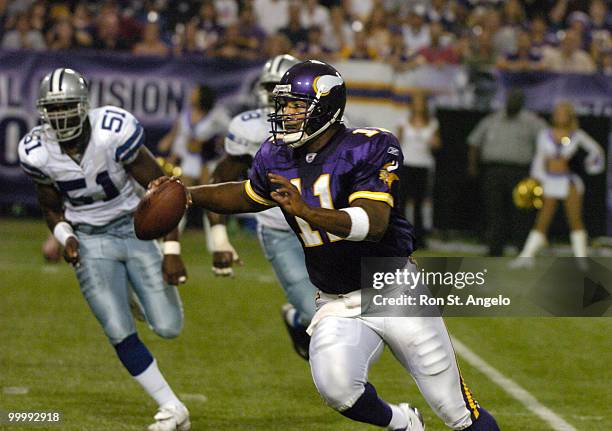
(355, 164)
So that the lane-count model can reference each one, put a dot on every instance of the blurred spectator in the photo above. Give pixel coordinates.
(379, 36)
(227, 12)
(22, 36)
(359, 9)
(272, 15)
(276, 44)
(234, 46)
(524, 59)
(569, 58)
(38, 15)
(361, 49)
(504, 143)
(3, 16)
(186, 41)
(580, 23)
(252, 35)
(541, 37)
(503, 37)
(340, 33)
(480, 55)
(209, 32)
(442, 11)
(415, 31)
(62, 35)
(398, 56)
(151, 43)
(419, 137)
(313, 47)
(82, 25)
(294, 30)
(313, 14)
(107, 34)
(601, 19)
(439, 52)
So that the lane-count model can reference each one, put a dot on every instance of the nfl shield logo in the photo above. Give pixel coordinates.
(310, 157)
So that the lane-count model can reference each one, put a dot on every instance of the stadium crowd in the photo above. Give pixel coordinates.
(554, 35)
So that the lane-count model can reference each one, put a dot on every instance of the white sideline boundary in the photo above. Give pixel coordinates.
(512, 388)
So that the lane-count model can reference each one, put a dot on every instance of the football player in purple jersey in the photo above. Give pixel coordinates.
(337, 188)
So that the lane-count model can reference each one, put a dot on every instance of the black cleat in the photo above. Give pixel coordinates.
(297, 332)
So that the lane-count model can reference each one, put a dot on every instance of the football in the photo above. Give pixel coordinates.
(160, 210)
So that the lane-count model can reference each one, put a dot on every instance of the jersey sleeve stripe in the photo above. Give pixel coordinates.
(375, 196)
(135, 139)
(128, 149)
(251, 193)
(32, 171)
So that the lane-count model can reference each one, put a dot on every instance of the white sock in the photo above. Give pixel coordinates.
(427, 211)
(156, 386)
(535, 241)
(399, 420)
(578, 238)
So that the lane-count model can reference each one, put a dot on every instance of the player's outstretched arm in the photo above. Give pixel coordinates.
(224, 198)
(365, 220)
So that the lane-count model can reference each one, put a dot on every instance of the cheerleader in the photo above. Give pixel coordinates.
(418, 137)
(555, 147)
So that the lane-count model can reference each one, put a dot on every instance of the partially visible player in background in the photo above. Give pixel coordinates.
(247, 131)
(85, 164)
(193, 130)
(556, 146)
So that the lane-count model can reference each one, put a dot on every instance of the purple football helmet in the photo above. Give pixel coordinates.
(316, 94)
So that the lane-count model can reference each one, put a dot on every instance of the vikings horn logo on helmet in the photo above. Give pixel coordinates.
(322, 85)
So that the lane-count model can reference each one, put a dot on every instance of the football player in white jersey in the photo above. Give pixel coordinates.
(197, 124)
(86, 164)
(247, 131)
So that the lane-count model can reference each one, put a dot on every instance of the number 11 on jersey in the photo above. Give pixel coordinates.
(312, 238)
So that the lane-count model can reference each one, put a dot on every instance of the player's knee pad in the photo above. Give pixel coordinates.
(336, 385)
(434, 356)
(168, 329)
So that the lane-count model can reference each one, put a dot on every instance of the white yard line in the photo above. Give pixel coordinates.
(513, 389)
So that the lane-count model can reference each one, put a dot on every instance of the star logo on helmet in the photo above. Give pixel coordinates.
(323, 84)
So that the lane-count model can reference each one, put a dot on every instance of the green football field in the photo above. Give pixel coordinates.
(233, 363)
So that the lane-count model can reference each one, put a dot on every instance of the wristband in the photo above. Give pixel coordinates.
(218, 238)
(172, 247)
(360, 223)
(62, 231)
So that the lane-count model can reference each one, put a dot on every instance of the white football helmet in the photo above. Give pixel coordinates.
(271, 74)
(63, 103)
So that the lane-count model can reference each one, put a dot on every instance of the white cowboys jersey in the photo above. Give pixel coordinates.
(98, 189)
(212, 124)
(247, 131)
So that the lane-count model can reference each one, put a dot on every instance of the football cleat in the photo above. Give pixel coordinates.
(415, 418)
(171, 418)
(297, 332)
